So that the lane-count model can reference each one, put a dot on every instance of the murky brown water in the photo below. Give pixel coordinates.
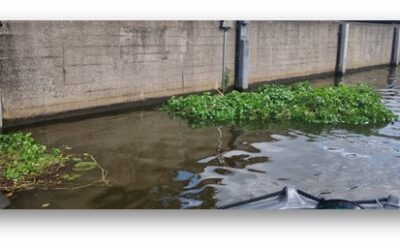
(158, 162)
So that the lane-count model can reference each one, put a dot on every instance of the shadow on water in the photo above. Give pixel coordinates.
(158, 162)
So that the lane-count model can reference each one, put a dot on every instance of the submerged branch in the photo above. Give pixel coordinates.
(26, 165)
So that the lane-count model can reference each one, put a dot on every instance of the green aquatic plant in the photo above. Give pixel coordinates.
(70, 177)
(27, 164)
(22, 157)
(343, 104)
(85, 166)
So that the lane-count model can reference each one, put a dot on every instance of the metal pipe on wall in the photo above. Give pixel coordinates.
(343, 37)
(242, 56)
(395, 48)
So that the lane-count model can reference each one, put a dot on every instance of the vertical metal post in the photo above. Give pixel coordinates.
(242, 56)
(343, 37)
(395, 47)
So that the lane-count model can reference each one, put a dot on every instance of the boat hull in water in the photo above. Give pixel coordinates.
(292, 198)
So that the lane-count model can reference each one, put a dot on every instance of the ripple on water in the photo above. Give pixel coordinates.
(160, 162)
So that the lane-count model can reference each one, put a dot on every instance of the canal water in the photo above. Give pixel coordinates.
(158, 162)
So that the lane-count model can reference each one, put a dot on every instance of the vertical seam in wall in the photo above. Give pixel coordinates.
(183, 74)
(1, 102)
(1, 110)
(63, 62)
(183, 69)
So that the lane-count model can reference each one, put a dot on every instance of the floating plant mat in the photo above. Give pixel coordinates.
(343, 104)
(26, 164)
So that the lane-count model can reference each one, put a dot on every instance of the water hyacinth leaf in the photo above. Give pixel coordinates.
(24, 158)
(70, 177)
(344, 104)
(85, 166)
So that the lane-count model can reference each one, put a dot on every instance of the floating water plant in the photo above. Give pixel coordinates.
(343, 104)
(22, 157)
(26, 164)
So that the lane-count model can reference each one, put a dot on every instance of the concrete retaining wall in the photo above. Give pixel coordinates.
(50, 67)
(369, 45)
(291, 49)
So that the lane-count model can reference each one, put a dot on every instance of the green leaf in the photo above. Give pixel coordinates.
(70, 177)
(345, 104)
(85, 166)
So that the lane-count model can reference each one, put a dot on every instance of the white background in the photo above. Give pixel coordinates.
(128, 229)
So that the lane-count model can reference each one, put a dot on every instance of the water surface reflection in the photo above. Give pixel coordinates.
(158, 162)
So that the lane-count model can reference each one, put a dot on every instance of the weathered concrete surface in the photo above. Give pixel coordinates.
(291, 49)
(51, 67)
(369, 45)
(48, 67)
